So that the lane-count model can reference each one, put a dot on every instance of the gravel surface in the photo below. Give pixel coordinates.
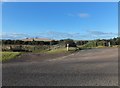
(94, 67)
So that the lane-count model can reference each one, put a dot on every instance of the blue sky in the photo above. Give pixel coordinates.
(83, 20)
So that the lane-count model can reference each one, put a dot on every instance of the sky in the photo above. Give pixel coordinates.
(60, 20)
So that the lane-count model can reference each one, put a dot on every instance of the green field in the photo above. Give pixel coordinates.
(5, 56)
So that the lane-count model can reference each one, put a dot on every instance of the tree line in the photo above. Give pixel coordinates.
(20, 42)
(103, 42)
(71, 42)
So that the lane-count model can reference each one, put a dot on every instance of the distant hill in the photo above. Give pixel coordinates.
(36, 39)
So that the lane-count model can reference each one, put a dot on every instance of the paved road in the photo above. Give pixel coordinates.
(95, 67)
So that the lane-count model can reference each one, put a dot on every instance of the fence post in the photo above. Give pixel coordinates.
(109, 44)
(67, 47)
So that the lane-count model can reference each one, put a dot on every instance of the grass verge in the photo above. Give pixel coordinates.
(61, 50)
(5, 56)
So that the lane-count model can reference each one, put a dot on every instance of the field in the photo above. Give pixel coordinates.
(5, 56)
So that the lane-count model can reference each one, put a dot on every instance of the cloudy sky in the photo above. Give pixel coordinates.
(78, 20)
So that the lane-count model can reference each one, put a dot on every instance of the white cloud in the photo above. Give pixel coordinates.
(102, 33)
(7, 0)
(4, 0)
(14, 35)
(70, 14)
(83, 15)
(60, 0)
(61, 35)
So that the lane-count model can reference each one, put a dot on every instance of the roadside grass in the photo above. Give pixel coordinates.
(115, 46)
(5, 56)
(90, 47)
(61, 50)
(100, 47)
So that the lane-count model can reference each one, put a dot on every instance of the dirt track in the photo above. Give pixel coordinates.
(95, 67)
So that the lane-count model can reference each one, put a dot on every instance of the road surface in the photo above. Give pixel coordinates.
(94, 67)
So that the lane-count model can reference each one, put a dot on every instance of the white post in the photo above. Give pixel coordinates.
(109, 44)
(67, 47)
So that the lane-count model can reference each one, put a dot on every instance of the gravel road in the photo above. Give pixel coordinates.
(94, 67)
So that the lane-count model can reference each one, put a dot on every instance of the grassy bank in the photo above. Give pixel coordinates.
(61, 50)
(5, 56)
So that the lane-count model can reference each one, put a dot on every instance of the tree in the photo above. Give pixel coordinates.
(53, 42)
(79, 43)
(70, 42)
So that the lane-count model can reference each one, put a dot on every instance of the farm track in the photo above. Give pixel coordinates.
(94, 67)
